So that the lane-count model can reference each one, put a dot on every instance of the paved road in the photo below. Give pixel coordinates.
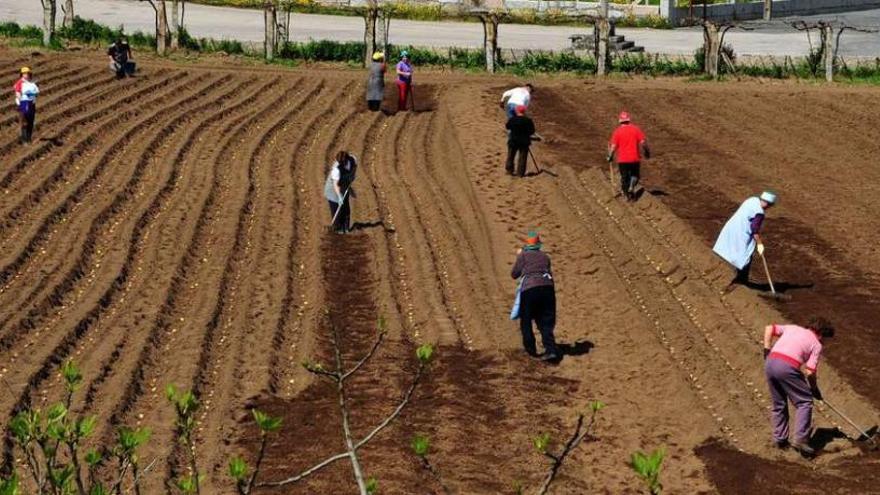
(247, 25)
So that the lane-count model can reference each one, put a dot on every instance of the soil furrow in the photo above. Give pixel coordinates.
(117, 284)
(67, 210)
(18, 170)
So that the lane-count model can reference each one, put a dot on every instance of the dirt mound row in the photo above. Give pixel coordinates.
(172, 229)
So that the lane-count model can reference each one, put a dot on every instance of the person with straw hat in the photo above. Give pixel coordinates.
(537, 298)
(26, 92)
(629, 145)
(741, 236)
(376, 82)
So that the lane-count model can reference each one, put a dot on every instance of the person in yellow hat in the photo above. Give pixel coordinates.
(376, 82)
(26, 92)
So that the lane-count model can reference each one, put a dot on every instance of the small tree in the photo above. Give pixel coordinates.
(161, 24)
(270, 28)
(50, 8)
(829, 43)
(67, 8)
(185, 406)
(339, 375)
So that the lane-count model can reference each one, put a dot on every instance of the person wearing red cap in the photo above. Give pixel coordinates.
(537, 298)
(629, 145)
(519, 138)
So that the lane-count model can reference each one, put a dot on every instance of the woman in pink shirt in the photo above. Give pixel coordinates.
(796, 349)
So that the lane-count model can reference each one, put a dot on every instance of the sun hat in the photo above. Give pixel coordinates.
(520, 109)
(404, 54)
(25, 70)
(533, 241)
(623, 117)
(378, 56)
(769, 197)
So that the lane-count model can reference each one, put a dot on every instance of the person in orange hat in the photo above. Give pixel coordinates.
(520, 131)
(629, 145)
(537, 298)
(26, 92)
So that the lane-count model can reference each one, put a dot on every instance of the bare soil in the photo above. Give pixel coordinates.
(171, 228)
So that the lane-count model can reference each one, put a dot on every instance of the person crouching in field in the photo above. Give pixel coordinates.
(26, 92)
(120, 58)
(376, 82)
(741, 237)
(520, 131)
(515, 97)
(338, 191)
(790, 367)
(537, 298)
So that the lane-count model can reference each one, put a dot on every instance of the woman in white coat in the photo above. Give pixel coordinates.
(741, 236)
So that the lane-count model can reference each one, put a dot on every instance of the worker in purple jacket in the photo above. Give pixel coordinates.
(537, 298)
(404, 71)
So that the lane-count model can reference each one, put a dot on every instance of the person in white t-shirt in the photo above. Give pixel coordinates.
(519, 96)
(26, 92)
(338, 190)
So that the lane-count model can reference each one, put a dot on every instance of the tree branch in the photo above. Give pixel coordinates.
(366, 358)
(576, 438)
(406, 398)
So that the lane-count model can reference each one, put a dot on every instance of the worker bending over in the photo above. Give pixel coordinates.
(519, 96)
(537, 298)
(741, 236)
(790, 367)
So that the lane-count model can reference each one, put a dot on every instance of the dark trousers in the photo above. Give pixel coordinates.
(342, 223)
(518, 154)
(374, 105)
(27, 112)
(538, 304)
(742, 275)
(629, 178)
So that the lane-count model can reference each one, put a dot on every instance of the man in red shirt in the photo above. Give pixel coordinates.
(629, 145)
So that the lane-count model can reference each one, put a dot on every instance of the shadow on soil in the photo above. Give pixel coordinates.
(734, 472)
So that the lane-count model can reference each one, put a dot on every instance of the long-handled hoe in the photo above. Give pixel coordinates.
(869, 439)
(772, 294)
(339, 209)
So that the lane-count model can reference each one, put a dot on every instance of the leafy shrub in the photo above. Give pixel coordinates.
(13, 30)
(723, 68)
(325, 50)
(89, 31)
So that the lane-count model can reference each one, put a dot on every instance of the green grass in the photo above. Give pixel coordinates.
(351, 54)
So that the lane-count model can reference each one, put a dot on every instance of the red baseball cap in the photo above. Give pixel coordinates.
(623, 117)
(520, 109)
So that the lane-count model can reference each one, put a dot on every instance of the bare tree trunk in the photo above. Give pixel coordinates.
(711, 48)
(370, 16)
(49, 11)
(828, 55)
(768, 10)
(490, 40)
(383, 23)
(271, 26)
(175, 24)
(68, 13)
(602, 53)
(161, 28)
(284, 25)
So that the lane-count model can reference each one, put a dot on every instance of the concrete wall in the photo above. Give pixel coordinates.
(755, 10)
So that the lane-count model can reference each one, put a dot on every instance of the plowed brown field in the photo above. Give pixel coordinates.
(171, 228)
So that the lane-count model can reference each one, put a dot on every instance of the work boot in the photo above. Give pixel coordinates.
(804, 449)
(781, 444)
(550, 358)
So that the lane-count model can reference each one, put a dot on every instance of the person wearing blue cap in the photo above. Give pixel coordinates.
(741, 236)
(404, 80)
(537, 298)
